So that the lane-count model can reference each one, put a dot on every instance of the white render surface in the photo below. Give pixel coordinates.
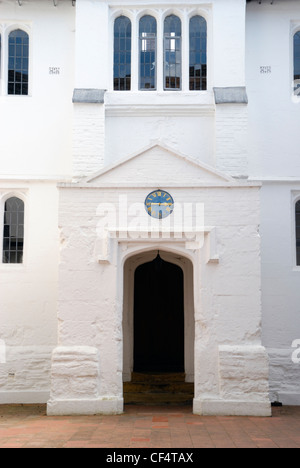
(76, 377)
(62, 310)
(91, 294)
(44, 117)
(273, 158)
(28, 323)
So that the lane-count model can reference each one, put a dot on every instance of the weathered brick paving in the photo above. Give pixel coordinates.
(148, 427)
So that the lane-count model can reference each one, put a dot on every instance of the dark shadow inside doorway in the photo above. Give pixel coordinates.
(158, 317)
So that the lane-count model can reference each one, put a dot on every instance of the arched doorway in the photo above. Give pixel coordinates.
(131, 266)
(158, 317)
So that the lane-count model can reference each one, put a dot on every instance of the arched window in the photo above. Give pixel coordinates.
(198, 66)
(147, 35)
(297, 224)
(13, 231)
(18, 62)
(122, 54)
(297, 63)
(172, 53)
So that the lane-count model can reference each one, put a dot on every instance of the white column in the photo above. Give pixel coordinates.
(134, 54)
(92, 48)
(229, 25)
(185, 52)
(91, 80)
(160, 55)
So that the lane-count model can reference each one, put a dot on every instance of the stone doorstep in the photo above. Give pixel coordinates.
(156, 399)
(158, 388)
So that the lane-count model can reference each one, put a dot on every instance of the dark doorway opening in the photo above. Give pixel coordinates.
(158, 317)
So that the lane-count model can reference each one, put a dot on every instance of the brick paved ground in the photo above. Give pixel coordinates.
(147, 427)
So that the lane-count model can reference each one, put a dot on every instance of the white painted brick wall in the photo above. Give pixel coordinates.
(88, 138)
(27, 368)
(43, 149)
(244, 371)
(230, 307)
(75, 372)
(231, 139)
(28, 291)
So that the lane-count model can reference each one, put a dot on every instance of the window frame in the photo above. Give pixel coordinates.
(294, 198)
(294, 34)
(3, 199)
(5, 31)
(24, 36)
(164, 41)
(139, 53)
(135, 14)
(297, 202)
(200, 17)
(114, 51)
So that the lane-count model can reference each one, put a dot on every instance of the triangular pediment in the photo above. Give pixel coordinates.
(158, 166)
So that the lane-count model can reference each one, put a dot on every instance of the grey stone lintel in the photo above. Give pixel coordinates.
(233, 95)
(88, 96)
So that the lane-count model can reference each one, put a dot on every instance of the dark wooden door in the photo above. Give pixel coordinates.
(158, 317)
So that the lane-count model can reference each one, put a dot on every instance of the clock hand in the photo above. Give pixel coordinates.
(162, 204)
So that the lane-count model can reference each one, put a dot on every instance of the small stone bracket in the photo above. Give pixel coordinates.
(88, 96)
(212, 255)
(231, 95)
(103, 250)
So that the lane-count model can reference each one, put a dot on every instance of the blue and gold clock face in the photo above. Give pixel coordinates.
(159, 204)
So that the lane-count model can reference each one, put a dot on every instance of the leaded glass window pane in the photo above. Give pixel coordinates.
(13, 231)
(297, 215)
(147, 34)
(297, 63)
(198, 60)
(18, 62)
(122, 54)
(172, 53)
